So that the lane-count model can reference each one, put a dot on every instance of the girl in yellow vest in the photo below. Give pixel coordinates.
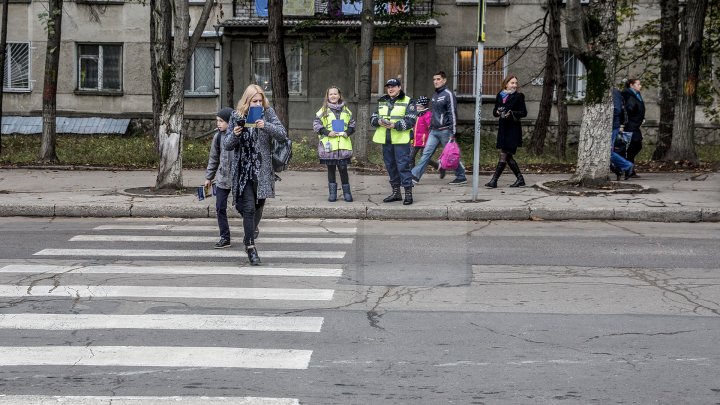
(334, 124)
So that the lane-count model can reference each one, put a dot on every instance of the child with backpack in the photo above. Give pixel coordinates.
(219, 168)
(421, 131)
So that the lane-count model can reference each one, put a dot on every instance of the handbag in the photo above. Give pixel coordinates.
(622, 140)
(282, 153)
(450, 156)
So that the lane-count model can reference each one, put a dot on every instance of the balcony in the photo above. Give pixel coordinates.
(332, 10)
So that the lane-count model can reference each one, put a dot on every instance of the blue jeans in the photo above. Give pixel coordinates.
(221, 211)
(397, 163)
(435, 138)
(617, 160)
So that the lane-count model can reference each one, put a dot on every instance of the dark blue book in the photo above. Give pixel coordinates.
(254, 113)
(338, 125)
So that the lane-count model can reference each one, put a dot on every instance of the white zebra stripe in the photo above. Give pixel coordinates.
(207, 228)
(138, 400)
(224, 253)
(160, 321)
(154, 356)
(91, 291)
(178, 270)
(200, 239)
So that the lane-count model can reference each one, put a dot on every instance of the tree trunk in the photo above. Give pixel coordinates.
(171, 116)
(555, 44)
(537, 140)
(683, 143)
(669, 52)
(597, 49)
(49, 97)
(278, 65)
(3, 49)
(362, 122)
(160, 62)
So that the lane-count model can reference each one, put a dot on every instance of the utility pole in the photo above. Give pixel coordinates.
(478, 96)
(3, 51)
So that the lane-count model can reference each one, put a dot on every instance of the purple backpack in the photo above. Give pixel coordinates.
(450, 156)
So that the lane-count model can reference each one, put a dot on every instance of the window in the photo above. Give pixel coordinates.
(574, 76)
(261, 67)
(493, 71)
(17, 67)
(387, 62)
(100, 67)
(200, 73)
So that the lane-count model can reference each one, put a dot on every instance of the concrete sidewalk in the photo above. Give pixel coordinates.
(678, 197)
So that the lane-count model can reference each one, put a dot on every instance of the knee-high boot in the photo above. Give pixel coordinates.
(346, 193)
(520, 181)
(332, 188)
(498, 171)
(258, 217)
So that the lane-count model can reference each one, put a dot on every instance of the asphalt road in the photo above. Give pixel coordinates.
(380, 312)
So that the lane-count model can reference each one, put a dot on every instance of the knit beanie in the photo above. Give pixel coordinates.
(225, 114)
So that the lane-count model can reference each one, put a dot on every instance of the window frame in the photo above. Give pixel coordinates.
(101, 68)
(190, 70)
(379, 91)
(8, 68)
(474, 58)
(289, 47)
(577, 77)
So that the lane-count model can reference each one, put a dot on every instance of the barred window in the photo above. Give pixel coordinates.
(99, 67)
(574, 76)
(388, 62)
(200, 72)
(465, 68)
(261, 67)
(17, 67)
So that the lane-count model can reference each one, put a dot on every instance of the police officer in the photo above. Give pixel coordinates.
(393, 121)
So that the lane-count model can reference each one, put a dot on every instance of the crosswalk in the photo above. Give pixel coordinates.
(151, 263)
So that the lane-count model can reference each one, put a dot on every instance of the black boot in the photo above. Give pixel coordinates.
(252, 253)
(616, 171)
(498, 171)
(332, 187)
(395, 196)
(258, 217)
(516, 171)
(346, 193)
(408, 196)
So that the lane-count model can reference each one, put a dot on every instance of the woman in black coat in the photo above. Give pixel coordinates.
(510, 108)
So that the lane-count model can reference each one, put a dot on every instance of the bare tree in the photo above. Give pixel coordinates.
(592, 38)
(669, 55)
(170, 56)
(367, 32)
(692, 24)
(49, 97)
(3, 47)
(537, 140)
(278, 65)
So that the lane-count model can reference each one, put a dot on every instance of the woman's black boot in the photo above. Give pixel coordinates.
(498, 171)
(252, 253)
(395, 196)
(408, 196)
(258, 217)
(346, 193)
(516, 171)
(332, 188)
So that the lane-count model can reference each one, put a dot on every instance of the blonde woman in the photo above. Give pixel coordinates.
(253, 178)
(335, 147)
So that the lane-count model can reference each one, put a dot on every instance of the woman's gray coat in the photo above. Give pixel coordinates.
(266, 177)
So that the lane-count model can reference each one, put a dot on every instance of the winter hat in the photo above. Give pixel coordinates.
(225, 114)
(422, 100)
(392, 82)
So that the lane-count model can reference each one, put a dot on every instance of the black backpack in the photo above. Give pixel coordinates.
(282, 153)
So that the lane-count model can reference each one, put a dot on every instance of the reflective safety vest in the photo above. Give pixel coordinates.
(396, 114)
(336, 142)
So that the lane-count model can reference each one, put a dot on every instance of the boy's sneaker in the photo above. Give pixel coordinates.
(458, 182)
(222, 243)
(415, 180)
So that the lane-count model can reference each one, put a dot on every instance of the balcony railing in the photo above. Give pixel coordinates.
(332, 9)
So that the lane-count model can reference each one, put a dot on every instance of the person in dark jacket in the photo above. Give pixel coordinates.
(618, 164)
(510, 108)
(219, 168)
(443, 129)
(253, 178)
(635, 108)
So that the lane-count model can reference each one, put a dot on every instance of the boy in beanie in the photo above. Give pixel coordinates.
(219, 169)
